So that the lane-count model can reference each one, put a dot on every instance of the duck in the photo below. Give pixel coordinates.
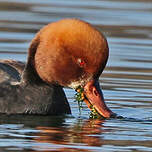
(66, 53)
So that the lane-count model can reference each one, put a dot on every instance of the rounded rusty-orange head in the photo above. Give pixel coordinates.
(70, 53)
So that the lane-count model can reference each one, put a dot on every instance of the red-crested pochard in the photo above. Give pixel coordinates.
(66, 53)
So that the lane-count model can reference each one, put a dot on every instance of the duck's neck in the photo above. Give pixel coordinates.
(30, 76)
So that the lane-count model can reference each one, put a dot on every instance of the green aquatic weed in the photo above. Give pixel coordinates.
(94, 114)
(79, 97)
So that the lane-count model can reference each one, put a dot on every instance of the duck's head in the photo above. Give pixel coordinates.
(72, 53)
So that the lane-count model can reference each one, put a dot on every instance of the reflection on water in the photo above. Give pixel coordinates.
(84, 133)
(40, 133)
(126, 81)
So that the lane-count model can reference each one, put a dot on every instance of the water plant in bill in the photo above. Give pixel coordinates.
(80, 97)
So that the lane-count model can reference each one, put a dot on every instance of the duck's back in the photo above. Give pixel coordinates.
(10, 74)
(10, 71)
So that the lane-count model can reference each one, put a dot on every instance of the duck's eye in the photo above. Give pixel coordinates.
(81, 62)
